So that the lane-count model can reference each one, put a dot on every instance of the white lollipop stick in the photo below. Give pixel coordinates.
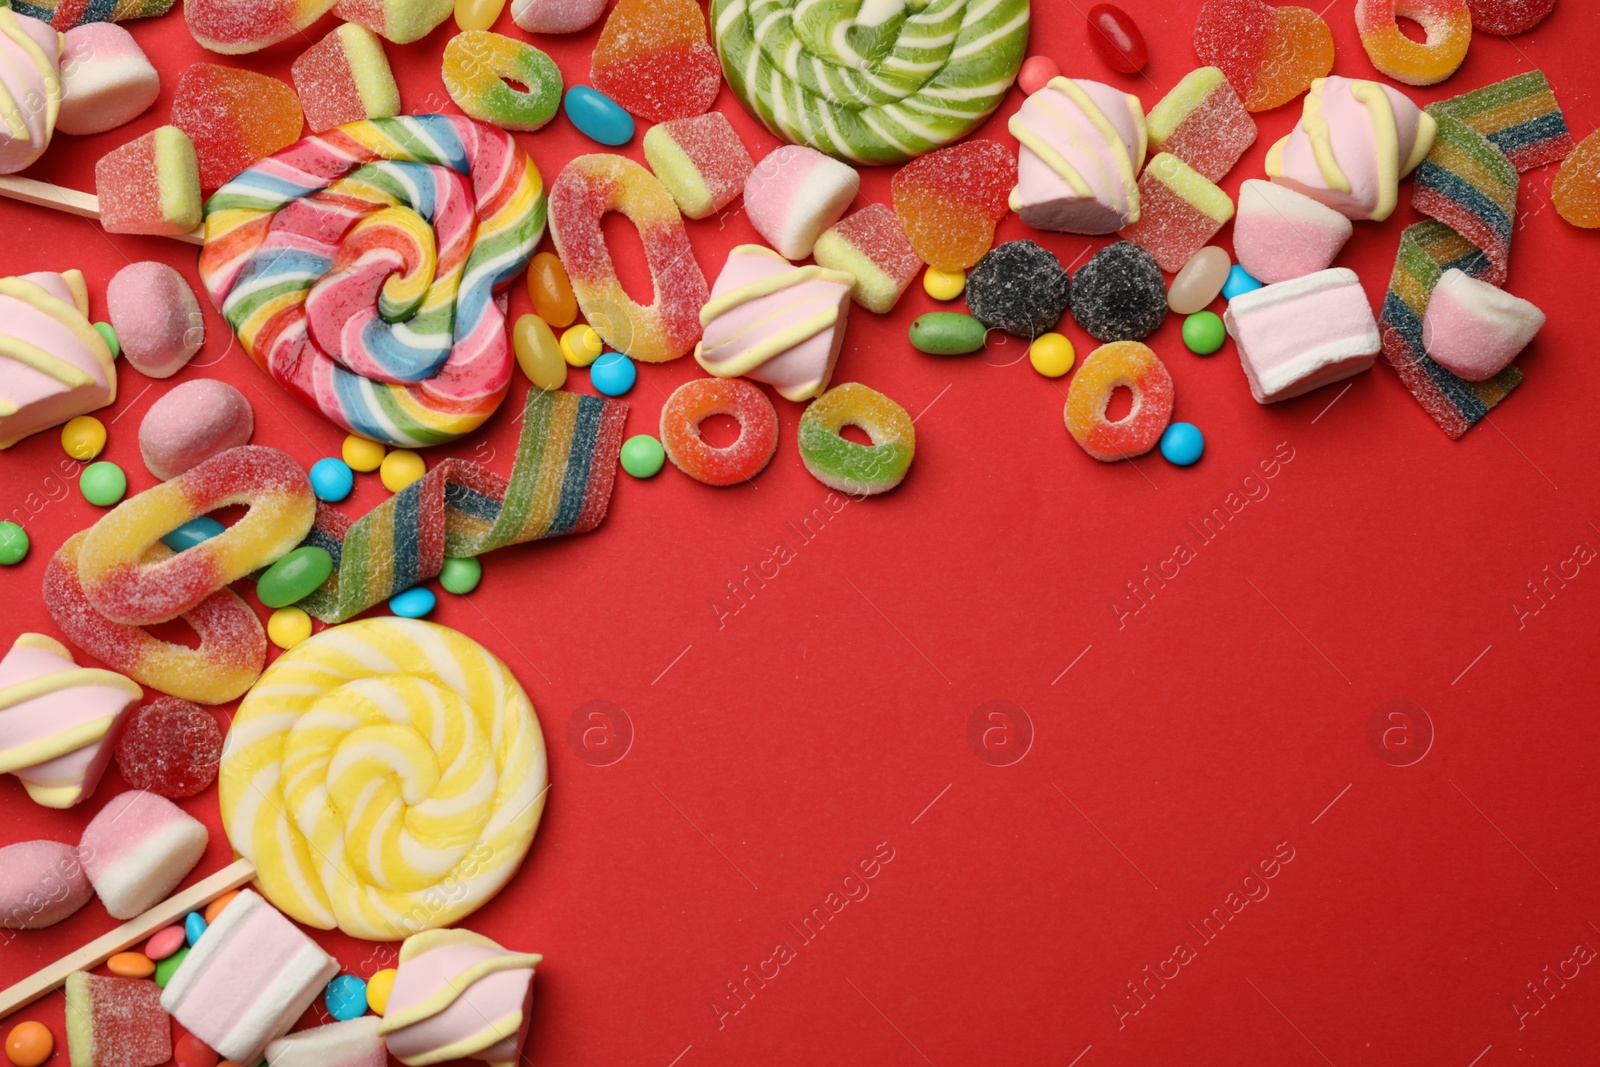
(102, 948)
(43, 194)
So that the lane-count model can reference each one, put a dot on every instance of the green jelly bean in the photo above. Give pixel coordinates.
(460, 576)
(294, 576)
(947, 333)
(166, 968)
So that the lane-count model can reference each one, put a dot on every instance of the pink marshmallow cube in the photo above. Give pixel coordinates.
(137, 850)
(1474, 329)
(106, 79)
(796, 193)
(1299, 335)
(1279, 234)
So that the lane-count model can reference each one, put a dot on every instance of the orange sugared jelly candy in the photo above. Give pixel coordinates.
(949, 201)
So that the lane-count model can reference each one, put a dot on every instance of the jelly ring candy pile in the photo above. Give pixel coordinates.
(385, 776)
(360, 269)
(588, 188)
(857, 469)
(1121, 364)
(478, 65)
(694, 402)
(918, 77)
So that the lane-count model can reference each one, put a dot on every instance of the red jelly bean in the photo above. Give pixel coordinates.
(190, 1051)
(1117, 39)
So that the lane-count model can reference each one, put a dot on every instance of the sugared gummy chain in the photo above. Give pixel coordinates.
(359, 268)
(874, 81)
(385, 777)
(1468, 184)
(560, 483)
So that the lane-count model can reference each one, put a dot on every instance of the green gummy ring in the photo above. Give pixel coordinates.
(844, 465)
(924, 76)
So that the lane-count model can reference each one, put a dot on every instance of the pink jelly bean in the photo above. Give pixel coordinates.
(164, 943)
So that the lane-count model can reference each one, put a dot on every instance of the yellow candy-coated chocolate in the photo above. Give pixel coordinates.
(378, 989)
(287, 628)
(1052, 355)
(944, 285)
(362, 454)
(581, 345)
(83, 437)
(400, 468)
(478, 14)
(538, 352)
(131, 965)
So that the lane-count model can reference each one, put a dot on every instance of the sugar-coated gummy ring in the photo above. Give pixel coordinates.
(1447, 23)
(695, 401)
(297, 245)
(861, 470)
(922, 77)
(1120, 364)
(296, 782)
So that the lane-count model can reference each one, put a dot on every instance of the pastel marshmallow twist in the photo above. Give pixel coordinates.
(53, 363)
(872, 81)
(385, 777)
(458, 995)
(1083, 144)
(30, 88)
(361, 269)
(57, 720)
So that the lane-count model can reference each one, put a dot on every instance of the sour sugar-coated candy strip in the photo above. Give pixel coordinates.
(233, 645)
(588, 188)
(128, 590)
(560, 483)
(1519, 116)
(329, 217)
(871, 83)
(65, 14)
(237, 26)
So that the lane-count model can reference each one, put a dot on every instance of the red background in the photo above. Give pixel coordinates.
(1161, 758)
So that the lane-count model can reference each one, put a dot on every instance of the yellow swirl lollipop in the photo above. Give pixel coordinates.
(385, 777)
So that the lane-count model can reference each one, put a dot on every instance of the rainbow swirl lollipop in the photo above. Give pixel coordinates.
(360, 269)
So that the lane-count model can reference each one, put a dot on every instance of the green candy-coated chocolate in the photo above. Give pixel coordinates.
(13, 544)
(460, 576)
(1204, 333)
(947, 333)
(166, 968)
(103, 483)
(294, 576)
(642, 455)
(110, 336)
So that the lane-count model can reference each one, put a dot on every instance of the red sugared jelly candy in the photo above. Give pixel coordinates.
(170, 747)
(1116, 39)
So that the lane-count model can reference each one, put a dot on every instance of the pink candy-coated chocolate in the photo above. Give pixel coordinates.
(164, 943)
(556, 16)
(1037, 72)
(156, 317)
(127, 588)
(41, 883)
(197, 420)
(137, 850)
(57, 719)
(233, 644)
(106, 79)
(1116, 39)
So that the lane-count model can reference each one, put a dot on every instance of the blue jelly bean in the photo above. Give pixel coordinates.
(414, 603)
(193, 532)
(598, 117)
(613, 373)
(193, 926)
(1183, 444)
(332, 479)
(1239, 281)
(346, 997)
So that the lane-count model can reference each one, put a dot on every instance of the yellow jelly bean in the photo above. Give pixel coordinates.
(83, 437)
(1052, 355)
(400, 468)
(287, 628)
(581, 345)
(551, 291)
(378, 988)
(131, 965)
(362, 454)
(538, 352)
(944, 285)
(478, 14)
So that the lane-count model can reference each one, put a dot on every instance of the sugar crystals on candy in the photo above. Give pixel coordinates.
(949, 201)
(234, 117)
(654, 58)
(170, 747)
(116, 1022)
(1121, 364)
(1270, 54)
(700, 160)
(1179, 211)
(150, 185)
(479, 69)
(345, 77)
(156, 317)
(1022, 289)
(106, 79)
(1203, 122)
(1119, 295)
(871, 246)
(137, 849)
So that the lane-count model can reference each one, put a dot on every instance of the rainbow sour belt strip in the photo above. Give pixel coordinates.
(360, 268)
(560, 483)
(1469, 187)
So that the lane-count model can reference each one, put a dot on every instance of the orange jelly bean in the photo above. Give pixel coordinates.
(215, 907)
(551, 291)
(131, 965)
(30, 1044)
